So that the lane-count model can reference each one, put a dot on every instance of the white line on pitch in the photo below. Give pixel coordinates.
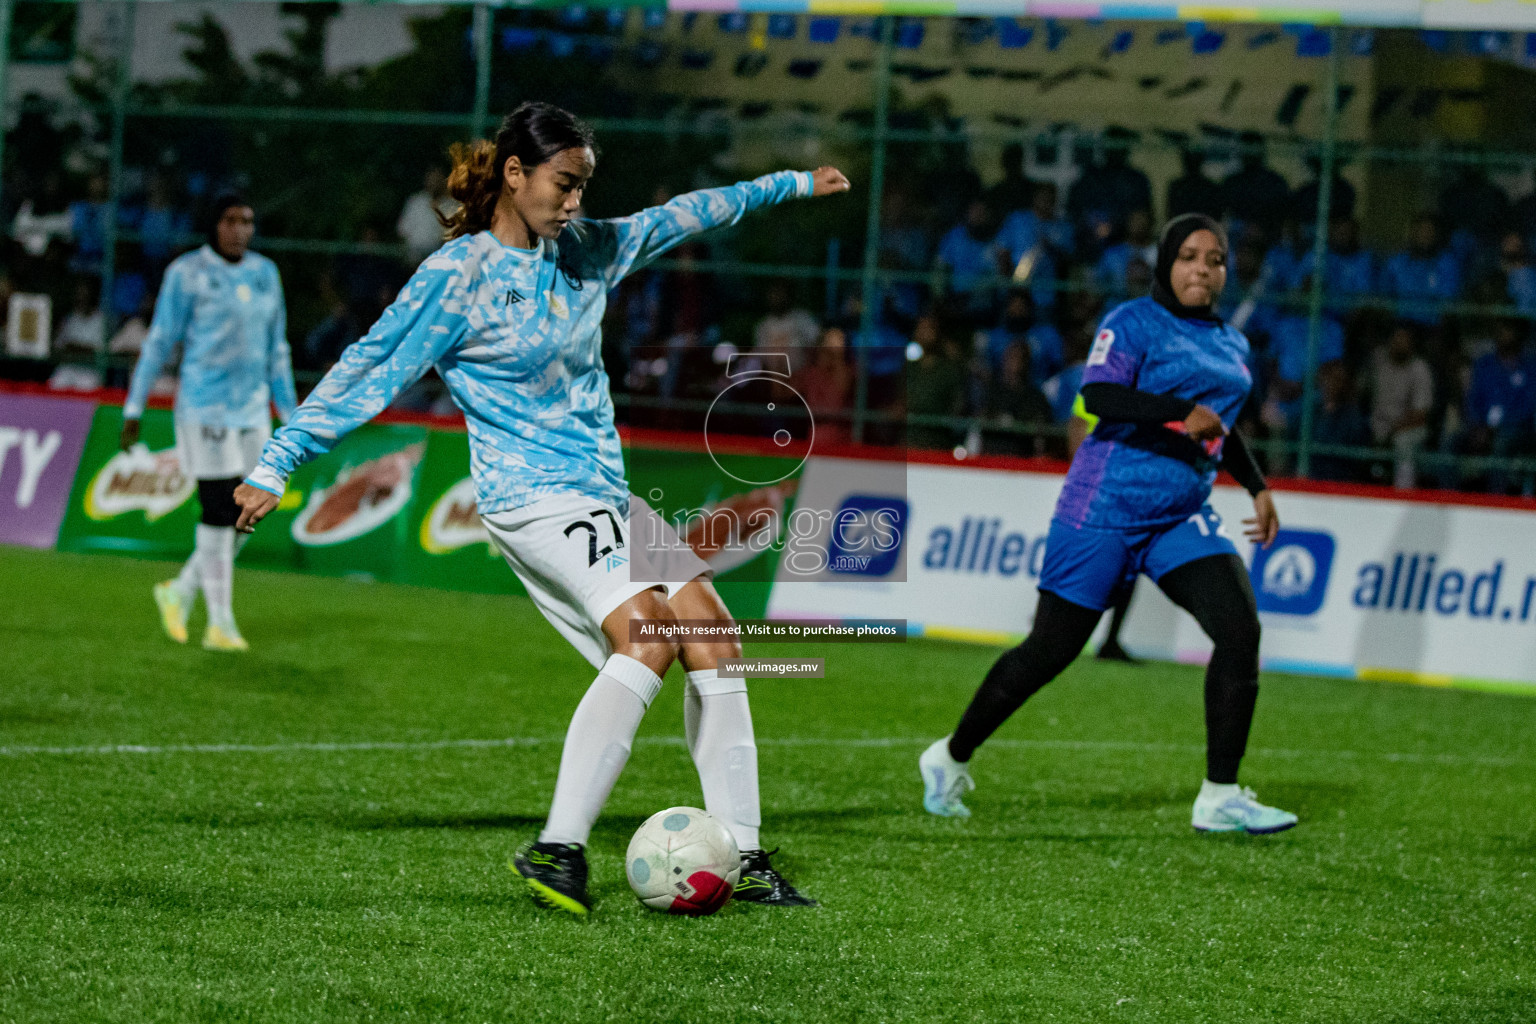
(676, 741)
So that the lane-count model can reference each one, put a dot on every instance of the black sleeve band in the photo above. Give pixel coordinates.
(1118, 402)
(218, 500)
(1237, 459)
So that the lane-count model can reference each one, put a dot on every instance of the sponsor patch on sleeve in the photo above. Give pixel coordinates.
(1099, 354)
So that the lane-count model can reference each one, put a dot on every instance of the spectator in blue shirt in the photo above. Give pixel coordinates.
(1288, 355)
(1500, 408)
(1037, 233)
(1424, 276)
(1102, 200)
(1283, 261)
(967, 253)
(1349, 269)
(1336, 420)
(88, 225)
(1114, 275)
(1519, 275)
(161, 228)
(1019, 326)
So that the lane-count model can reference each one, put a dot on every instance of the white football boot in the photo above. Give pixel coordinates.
(945, 781)
(1234, 808)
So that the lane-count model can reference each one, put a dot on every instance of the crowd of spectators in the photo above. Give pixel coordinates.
(989, 300)
(1423, 352)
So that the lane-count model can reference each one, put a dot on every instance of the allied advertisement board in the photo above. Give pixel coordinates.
(1355, 586)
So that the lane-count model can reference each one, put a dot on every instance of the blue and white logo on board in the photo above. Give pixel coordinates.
(1291, 577)
(867, 534)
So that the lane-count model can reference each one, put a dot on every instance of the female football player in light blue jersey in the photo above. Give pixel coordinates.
(509, 311)
(1166, 378)
(223, 304)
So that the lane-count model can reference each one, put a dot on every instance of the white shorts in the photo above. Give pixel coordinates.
(574, 556)
(218, 453)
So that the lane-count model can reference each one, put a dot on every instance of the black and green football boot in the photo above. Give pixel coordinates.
(760, 883)
(556, 874)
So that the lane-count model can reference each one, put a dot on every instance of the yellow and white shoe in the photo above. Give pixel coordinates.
(216, 638)
(174, 609)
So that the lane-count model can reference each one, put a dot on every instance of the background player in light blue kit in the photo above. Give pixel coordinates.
(223, 304)
(1167, 378)
(509, 311)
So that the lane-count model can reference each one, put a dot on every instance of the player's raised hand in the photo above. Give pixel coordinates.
(1203, 424)
(829, 181)
(1265, 524)
(255, 504)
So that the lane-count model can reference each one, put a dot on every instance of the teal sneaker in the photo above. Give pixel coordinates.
(1236, 809)
(945, 781)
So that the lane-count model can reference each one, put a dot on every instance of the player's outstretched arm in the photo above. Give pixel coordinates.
(416, 330)
(629, 243)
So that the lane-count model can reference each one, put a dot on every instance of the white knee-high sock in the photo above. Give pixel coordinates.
(725, 753)
(216, 568)
(597, 746)
(189, 579)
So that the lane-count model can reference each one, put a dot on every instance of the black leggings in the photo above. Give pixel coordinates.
(1215, 590)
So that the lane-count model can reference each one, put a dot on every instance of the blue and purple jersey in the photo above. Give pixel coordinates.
(1143, 475)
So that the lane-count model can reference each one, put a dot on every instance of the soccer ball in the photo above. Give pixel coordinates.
(683, 861)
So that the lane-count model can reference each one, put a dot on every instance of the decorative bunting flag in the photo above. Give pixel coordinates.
(783, 26)
(909, 33)
(1208, 42)
(1314, 42)
(825, 30)
(1013, 36)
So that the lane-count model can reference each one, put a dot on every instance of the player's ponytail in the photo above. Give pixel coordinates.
(475, 182)
(533, 133)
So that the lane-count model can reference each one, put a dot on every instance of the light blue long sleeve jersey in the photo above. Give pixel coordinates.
(516, 334)
(233, 325)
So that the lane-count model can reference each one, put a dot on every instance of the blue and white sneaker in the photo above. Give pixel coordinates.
(1234, 808)
(945, 781)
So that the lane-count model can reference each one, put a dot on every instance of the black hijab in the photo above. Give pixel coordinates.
(221, 205)
(1175, 234)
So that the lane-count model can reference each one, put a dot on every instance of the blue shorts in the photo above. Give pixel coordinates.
(1089, 566)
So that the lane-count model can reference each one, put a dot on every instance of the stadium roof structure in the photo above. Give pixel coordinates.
(1473, 15)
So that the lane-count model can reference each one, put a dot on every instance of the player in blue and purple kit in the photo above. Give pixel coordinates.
(1167, 378)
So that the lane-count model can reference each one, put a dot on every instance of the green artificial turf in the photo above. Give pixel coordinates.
(317, 845)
